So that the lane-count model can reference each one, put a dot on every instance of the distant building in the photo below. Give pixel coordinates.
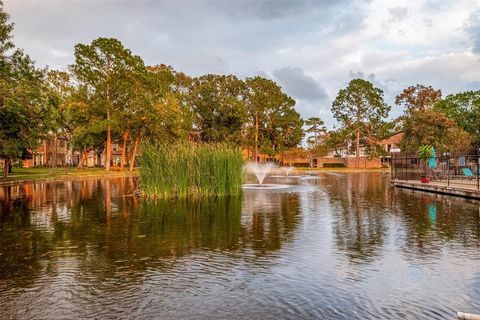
(52, 151)
(393, 142)
(59, 151)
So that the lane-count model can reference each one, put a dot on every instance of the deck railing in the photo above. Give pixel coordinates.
(450, 170)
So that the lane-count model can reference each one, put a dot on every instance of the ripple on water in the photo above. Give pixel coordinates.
(340, 247)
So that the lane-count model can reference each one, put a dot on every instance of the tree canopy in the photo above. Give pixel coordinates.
(361, 111)
(23, 104)
(418, 97)
(218, 103)
(464, 108)
(273, 123)
(431, 127)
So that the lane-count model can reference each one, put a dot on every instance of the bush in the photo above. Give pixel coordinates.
(334, 165)
(190, 170)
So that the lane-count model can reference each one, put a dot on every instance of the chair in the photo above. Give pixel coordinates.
(467, 173)
(439, 173)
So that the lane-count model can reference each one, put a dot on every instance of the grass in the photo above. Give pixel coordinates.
(47, 173)
(189, 170)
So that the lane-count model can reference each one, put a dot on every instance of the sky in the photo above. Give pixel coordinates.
(310, 48)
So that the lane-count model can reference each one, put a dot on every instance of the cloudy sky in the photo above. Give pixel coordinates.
(311, 48)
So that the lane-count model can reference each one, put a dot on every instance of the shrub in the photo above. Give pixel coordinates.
(334, 165)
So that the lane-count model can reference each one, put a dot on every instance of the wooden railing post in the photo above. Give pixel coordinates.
(477, 172)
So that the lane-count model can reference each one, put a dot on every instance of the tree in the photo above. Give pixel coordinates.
(23, 107)
(104, 67)
(360, 109)
(84, 120)
(418, 97)
(59, 91)
(464, 108)
(218, 103)
(291, 155)
(431, 127)
(317, 127)
(339, 139)
(272, 119)
(285, 128)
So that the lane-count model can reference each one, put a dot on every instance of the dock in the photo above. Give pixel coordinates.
(451, 188)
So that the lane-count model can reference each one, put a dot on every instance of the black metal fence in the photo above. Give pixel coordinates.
(449, 170)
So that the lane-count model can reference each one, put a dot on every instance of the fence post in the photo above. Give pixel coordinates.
(477, 173)
(406, 178)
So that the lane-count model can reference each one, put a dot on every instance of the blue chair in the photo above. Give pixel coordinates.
(467, 172)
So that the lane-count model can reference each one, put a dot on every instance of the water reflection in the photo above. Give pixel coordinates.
(343, 246)
(359, 217)
(101, 223)
(435, 221)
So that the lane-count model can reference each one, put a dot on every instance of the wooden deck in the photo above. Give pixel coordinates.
(461, 188)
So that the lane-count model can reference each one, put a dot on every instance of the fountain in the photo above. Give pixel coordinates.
(260, 170)
(287, 170)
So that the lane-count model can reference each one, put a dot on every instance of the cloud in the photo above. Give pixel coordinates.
(322, 43)
(472, 27)
(398, 13)
(59, 53)
(299, 85)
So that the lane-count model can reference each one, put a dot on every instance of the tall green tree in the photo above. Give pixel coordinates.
(273, 124)
(156, 111)
(104, 67)
(464, 108)
(218, 103)
(59, 91)
(361, 110)
(23, 107)
(316, 126)
(84, 119)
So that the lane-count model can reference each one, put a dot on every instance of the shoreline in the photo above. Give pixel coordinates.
(22, 175)
(39, 175)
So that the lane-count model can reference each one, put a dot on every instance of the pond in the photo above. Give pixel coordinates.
(344, 246)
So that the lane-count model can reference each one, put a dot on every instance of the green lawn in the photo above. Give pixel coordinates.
(31, 174)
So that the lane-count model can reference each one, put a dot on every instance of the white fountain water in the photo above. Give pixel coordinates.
(287, 170)
(260, 170)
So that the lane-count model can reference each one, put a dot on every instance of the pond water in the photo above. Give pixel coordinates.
(345, 246)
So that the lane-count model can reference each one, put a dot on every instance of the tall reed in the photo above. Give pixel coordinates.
(189, 170)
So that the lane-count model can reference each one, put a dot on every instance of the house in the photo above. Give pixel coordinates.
(392, 142)
(55, 150)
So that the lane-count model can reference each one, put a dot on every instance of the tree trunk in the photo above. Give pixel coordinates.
(82, 160)
(123, 161)
(256, 138)
(108, 147)
(357, 149)
(6, 165)
(108, 153)
(45, 153)
(54, 151)
(134, 152)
